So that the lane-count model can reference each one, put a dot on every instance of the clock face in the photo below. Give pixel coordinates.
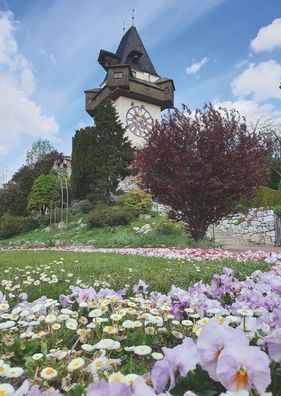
(139, 121)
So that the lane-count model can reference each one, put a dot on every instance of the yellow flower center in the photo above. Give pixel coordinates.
(2, 392)
(98, 363)
(2, 369)
(241, 379)
(116, 378)
(49, 371)
(242, 371)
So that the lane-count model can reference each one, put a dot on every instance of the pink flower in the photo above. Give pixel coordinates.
(243, 367)
(140, 388)
(104, 388)
(274, 345)
(212, 342)
(183, 358)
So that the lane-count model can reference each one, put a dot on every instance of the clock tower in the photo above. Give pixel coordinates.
(131, 81)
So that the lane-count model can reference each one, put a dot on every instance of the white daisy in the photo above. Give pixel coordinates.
(6, 390)
(75, 364)
(142, 350)
(48, 373)
(14, 372)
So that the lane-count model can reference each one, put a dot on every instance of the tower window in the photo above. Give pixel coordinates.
(167, 90)
(117, 75)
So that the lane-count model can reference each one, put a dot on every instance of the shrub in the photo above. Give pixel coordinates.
(28, 224)
(84, 206)
(137, 201)
(44, 220)
(169, 227)
(14, 225)
(109, 216)
(277, 210)
(266, 197)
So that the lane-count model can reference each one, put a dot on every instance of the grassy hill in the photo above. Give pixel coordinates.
(78, 233)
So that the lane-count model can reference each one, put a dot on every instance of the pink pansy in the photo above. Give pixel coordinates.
(161, 374)
(274, 345)
(140, 388)
(103, 388)
(213, 340)
(23, 389)
(34, 391)
(240, 393)
(183, 357)
(243, 367)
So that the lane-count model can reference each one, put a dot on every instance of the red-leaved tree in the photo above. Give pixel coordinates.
(201, 163)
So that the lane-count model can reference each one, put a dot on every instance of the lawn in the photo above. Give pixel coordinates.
(115, 269)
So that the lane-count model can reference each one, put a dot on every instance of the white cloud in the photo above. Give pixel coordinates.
(251, 110)
(195, 67)
(260, 81)
(19, 114)
(48, 58)
(268, 37)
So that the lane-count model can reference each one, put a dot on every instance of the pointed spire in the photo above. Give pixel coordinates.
(133, 17)
(131, 43)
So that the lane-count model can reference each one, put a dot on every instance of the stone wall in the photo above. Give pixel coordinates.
(257, 226)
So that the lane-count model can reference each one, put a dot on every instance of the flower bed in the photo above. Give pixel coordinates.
(191, 254)
(210, 339)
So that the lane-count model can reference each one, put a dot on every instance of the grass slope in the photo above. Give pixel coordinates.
(116, 269)
(119, 236)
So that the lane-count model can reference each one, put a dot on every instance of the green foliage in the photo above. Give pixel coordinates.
(44, 220)
(38, 150)
(277, 210)
(109, 216)
(137, 201)
(14, 195)
(101, 155)
(170, 227)
(84, 206)
(43, 192)
(83, 144)
(266, 197)
(13, 225)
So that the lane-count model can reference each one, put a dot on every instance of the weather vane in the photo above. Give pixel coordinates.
(133, 17)
(124, 27)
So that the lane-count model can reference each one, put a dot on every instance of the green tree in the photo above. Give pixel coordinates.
(38, 150)
(101, 156)
(43, 192)
(83, 145)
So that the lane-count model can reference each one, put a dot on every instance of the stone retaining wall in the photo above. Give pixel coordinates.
(257, 226)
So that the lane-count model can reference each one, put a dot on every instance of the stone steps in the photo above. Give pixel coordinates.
(228, 241)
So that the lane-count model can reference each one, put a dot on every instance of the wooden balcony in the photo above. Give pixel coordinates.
(121, 82)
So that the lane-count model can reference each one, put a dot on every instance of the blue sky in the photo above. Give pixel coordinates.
(224, 51)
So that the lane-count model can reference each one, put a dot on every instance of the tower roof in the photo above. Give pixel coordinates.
(131, 44)
(130, 52)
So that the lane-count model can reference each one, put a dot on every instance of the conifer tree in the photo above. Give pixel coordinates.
(101, 156)
(43, 192)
